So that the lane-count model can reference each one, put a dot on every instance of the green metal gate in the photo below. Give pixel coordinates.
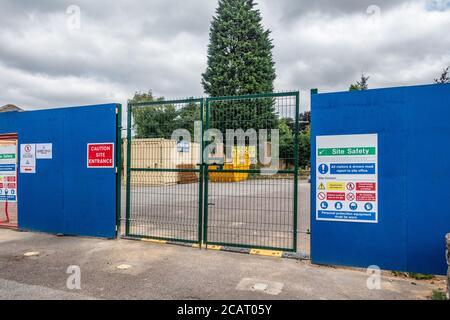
(200, 191)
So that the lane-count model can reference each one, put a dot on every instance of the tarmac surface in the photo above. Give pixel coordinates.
(254, 212)
(35, 266)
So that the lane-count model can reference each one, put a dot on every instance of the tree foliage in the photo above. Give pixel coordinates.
(286, 141)
(361, 85)
(159, 121)
(287, 129)
(305, 148)
(444, 78)
(240, 62)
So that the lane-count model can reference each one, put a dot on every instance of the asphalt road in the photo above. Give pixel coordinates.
(253, 212)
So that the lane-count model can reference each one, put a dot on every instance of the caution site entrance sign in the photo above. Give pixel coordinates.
(100, 155)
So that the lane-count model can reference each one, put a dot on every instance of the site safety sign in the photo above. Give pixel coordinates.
(28, 158)
(100, 155)
(8, 173)
(347, 178)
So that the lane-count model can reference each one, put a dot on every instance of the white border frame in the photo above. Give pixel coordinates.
(376, 221)
(101, 167)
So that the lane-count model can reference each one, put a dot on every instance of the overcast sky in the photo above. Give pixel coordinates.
(128, 45)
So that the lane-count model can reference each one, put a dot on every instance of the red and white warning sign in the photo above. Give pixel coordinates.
(321, 196)
(366, 197)
(100, 155)
(366, 186)
(336, 196)
(27, 158)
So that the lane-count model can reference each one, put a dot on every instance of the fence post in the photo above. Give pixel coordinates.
(128, 182)
(119, 164)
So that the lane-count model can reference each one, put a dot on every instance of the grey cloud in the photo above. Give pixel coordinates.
(124, 46)
(293, 10)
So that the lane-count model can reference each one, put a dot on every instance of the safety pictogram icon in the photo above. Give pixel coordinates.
(351, 196)
(368, 206)
(323, 168)
(350, 186)
(353, 206)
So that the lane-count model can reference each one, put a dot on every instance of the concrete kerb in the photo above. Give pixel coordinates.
(258, 252)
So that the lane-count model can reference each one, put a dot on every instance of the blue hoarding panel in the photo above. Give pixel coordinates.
(64, 196)
(413, 142)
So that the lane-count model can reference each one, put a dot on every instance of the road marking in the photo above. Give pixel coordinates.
(266, 253)
(213, 247)
(209, 246)
(154, 241)
(31, 254)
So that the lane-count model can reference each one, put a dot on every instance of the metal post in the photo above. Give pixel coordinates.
(296, 159)
(205, 168)
(119, 167)
(127, 223)
(200, 180)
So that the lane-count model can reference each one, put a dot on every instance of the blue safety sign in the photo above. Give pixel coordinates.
(323, 168)
(324, 205)
(352, 168)
(8, 167)
(351, 216)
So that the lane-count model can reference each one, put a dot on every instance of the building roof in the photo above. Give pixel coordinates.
(10, 108)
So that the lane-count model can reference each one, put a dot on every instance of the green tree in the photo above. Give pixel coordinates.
(360, 85)
(187, 116)
(153, 121)
(444, 78)
(286, 141)
(240, 62)
(159, 121)
(144, 97)
(305, 148)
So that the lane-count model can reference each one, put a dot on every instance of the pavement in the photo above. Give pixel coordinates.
(35, 266)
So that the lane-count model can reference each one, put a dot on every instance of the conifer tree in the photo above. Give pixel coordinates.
(240, 62)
